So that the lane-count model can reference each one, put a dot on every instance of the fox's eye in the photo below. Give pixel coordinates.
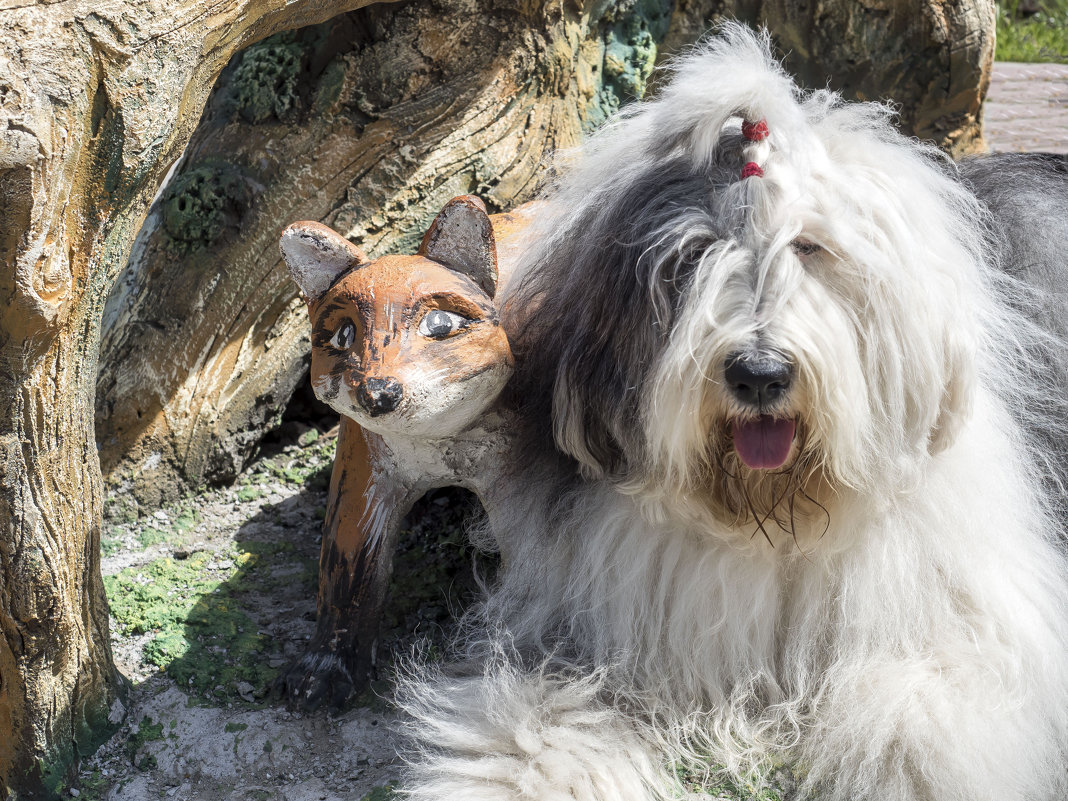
(802, 247)
(439, 324)
(344, 337)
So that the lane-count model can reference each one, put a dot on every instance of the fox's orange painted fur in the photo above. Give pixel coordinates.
(412, 353)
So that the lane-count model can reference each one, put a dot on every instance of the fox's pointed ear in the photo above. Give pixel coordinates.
(461, 238)
(316, 256)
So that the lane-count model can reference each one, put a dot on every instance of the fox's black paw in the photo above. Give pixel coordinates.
(317, 679)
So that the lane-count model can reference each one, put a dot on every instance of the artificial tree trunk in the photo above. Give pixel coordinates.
(372, 123)
(97, 99)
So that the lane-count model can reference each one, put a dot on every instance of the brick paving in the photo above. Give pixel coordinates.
(1027, 108)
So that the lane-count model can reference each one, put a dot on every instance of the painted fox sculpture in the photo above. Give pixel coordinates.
(412, 353)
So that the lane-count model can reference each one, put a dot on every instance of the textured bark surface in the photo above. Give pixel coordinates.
(97, 100)
(372, 122)
(931, 58)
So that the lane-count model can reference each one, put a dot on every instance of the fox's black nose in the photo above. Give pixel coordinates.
(757, 379)
(379, 395)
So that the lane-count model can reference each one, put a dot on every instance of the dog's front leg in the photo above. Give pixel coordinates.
(369, 496)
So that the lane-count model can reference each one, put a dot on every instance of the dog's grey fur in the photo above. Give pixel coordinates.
(1027, 195)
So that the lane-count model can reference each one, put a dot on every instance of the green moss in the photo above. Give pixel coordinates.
(162, 530)
(165, 647)
(265, 82)
(150, 536)
(147, 731)
(200, 613)
(249, 494)
(432, 566)
(331, 84)
(200, 204)
(52, 775)
(94, 786)
(776, 784)
(186, 520)
(312, 470)
(1041, 37)
(92, 728)
(92, 724)
(232, 727)
(630, 31)
(158, 595)
(111, 542)
(384, 792)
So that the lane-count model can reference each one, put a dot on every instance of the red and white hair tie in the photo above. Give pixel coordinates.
(756, 149)
(755, 131)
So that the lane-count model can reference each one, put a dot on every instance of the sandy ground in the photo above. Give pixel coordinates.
(202, 723)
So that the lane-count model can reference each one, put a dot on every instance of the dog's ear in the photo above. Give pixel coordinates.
(586, 352)
(461, 238)
(317, 256)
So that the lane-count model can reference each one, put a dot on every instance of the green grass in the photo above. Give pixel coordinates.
(1041, 37)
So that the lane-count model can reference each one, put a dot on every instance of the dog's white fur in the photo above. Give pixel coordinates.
(888, 613)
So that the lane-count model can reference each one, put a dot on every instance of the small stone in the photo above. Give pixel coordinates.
(244, 689)
(159, 514)
(75, 792)
(116, 713)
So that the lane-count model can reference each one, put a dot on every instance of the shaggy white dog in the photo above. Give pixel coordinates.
(793, 514)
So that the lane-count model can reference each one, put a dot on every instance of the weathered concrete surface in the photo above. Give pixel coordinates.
(1027, 108)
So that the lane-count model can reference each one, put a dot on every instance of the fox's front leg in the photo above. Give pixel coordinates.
(369, 496)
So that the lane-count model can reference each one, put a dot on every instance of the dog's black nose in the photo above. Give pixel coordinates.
(379, 395)
(757, 379)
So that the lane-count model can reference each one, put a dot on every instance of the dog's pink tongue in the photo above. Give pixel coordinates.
(764, 443)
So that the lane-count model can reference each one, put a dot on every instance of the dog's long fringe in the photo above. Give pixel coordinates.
(893, 614)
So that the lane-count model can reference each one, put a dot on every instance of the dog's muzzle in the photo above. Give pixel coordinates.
(760, 381)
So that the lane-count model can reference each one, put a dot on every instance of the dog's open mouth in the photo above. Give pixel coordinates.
(764, 443)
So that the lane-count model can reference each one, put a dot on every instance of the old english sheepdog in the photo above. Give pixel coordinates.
(793, 515)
